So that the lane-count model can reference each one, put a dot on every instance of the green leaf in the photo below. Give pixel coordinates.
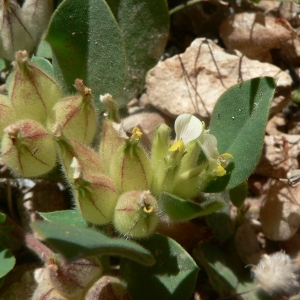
(220, 221)
(2, 218)
(87, 43)
(173, 276)
(1, 281)
(145, 28)
(238, 122)
(238, 194)
(250, 291)
(7, 261)
(217, 267)
(44, 50)
(4, 64)
(77, 242)
(72, 217)
(44, 65)
(181, 210)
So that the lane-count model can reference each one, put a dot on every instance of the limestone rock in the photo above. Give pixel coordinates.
(280, 155)
(254, 34)
(280, 211)
(193, 81)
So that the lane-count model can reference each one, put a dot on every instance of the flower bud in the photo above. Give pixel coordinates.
(113, 137)
(95, 196)
(6, 113)
(14, 34)
(32, 92)
(72, 280)
(131, 168)
(186, 182)
(88, 159)
(45, 289)
(136, 214)
(160, 148)
(28, 149)
(76, 115)
(36, 16)
(106, 288)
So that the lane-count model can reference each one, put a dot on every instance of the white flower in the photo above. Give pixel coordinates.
(187, 128)
(208, 144)
(275, 273)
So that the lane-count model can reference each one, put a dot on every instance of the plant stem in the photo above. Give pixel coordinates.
(183, 6)
(29, 240)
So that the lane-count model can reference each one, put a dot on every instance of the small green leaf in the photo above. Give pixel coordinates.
(181, 210)
(173, 276)
(77, 242)
(145, 29)
(238, 122)
(217, 267)
(238, 194)
(1, 281)
(87, 43)
(4, 64)
(220, 221)
(7, 261)
(72, 217)
(250, 291)
(2, 218)
(44, 65)
(44, 50)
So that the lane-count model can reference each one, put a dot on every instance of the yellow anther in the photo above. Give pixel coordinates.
(148, 209)
(136, 133)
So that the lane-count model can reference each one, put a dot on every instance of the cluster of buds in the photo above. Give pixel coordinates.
(124, 188)
(35, 120)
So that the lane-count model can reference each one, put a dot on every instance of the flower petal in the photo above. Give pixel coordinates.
(177, 146)
(187, 128)
(208, 145)
(220, 171)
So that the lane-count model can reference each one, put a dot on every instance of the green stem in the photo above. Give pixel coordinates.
(29, 240)
(183, 6)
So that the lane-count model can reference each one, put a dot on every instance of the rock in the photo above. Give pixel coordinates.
(254, 34)
(280, 211)
(193, 81)
(247, 245)
(147, 122)
(280, 155)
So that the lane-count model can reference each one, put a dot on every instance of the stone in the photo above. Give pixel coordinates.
(254, 34)
(280, 155)
(193, 81)
(280, 211)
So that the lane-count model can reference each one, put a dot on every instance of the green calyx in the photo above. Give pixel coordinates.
(136, 214)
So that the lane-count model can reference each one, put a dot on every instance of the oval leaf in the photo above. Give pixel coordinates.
(7, 261)
(77, 242)
(72, 217)
(145, 28)
(86, 43)
(238, 122)
(181, 210)
(2, 218)
(216, 265)
(173, 276)
(239, 194)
